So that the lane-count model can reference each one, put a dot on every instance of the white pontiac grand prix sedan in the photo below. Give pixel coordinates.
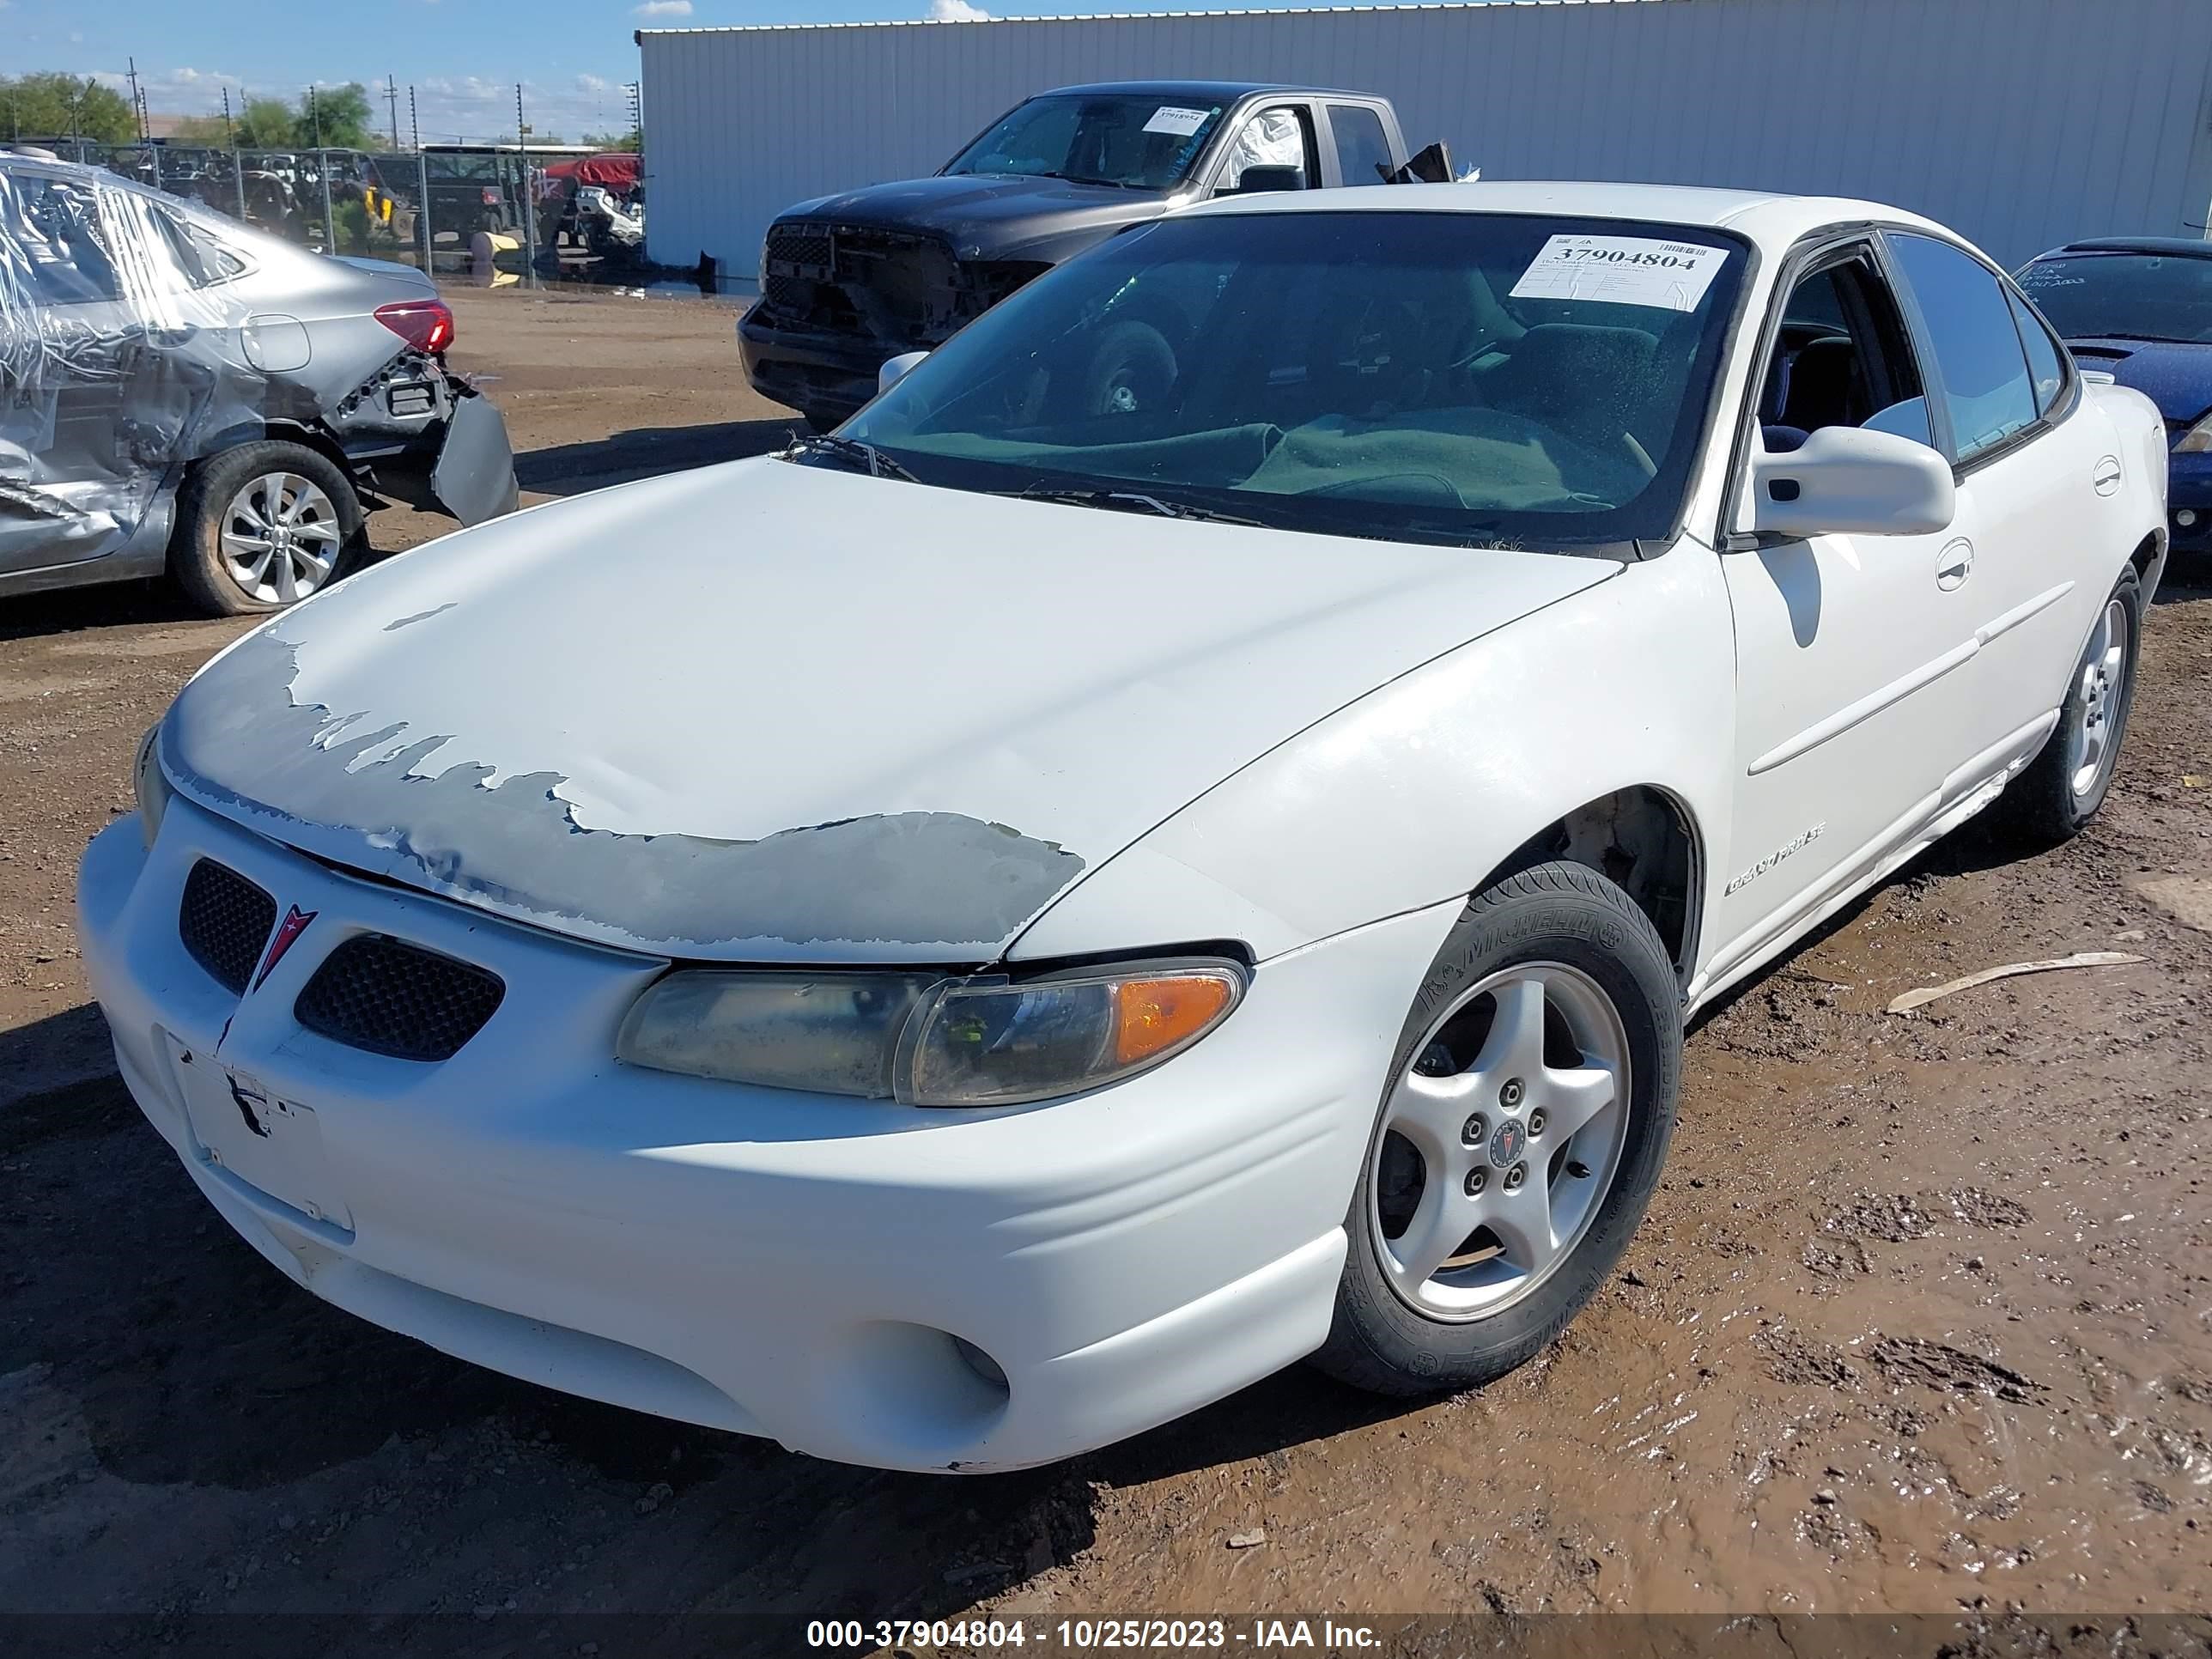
(1181, 840)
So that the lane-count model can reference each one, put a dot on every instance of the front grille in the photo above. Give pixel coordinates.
(224, 920)
(796, 258)
(891, 287)
(395, 998)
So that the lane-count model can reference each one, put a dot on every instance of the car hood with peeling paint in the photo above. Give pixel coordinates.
(773, 712)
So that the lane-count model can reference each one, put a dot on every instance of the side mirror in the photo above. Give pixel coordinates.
(895, 371)
(1257, 180)
(1846, 480)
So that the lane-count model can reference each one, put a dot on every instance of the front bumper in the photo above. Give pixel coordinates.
(766, 1262)
(826, 376)
(2189, 497)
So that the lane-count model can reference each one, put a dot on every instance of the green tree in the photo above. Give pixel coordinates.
(632, 141)
(265, 124)
(338, 119)
(51, 104)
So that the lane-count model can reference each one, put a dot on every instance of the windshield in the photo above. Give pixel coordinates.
(2133, 296)
(1144, 142)
(1426, 376)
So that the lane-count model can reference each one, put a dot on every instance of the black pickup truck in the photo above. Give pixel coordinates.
(849, 282)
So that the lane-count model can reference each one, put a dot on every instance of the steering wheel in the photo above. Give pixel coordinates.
(1132, 372)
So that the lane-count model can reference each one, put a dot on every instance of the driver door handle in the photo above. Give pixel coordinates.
(1954, 564)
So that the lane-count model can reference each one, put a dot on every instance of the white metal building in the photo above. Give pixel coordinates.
(2022, 123)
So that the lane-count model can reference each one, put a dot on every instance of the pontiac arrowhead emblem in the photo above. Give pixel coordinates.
(287, 934)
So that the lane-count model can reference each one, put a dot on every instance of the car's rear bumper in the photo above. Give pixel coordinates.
(785, 1265)
(827, 376)
(463, 466)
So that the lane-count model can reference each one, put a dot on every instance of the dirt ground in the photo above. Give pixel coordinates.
(1921, 1320)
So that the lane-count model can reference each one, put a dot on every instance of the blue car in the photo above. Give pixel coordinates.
(2139, 308)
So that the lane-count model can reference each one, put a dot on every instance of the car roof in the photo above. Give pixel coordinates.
(2194, 247)
(1219, 92)
(16, 162)
(1770, 221)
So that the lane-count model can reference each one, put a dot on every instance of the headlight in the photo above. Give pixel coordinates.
(2197, 440)
(835, 1034)
(926, 1040)
(148, 783)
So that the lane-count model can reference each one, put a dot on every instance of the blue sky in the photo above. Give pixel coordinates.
(462, 56)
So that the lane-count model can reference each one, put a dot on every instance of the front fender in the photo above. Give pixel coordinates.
(1416, 793)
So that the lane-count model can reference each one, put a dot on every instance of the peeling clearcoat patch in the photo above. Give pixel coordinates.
(937, 884)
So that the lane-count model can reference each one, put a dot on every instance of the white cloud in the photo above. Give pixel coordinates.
(177, 91)
(593, 83)
(662, 9)
(957, 11)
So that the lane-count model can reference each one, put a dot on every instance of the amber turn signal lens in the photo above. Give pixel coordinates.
(1157, 1014)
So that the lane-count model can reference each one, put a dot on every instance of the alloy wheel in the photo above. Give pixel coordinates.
(1500, 1141)
(280, 537)
(2092, 745)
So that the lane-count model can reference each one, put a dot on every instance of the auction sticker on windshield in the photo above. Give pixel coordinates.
(1181, 122)
(1622, 271)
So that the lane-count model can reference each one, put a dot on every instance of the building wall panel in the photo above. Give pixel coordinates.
(2024, 123)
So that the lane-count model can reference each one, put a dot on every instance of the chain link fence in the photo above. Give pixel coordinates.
(475, 210)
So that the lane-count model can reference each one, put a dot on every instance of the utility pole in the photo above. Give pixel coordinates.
(323, 173)
(392, 102)
(529, 194)
(237, 162)
(138, 99)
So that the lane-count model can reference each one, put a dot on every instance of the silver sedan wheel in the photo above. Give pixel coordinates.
(1500, 1141)
(281, 537)
(2093, 743)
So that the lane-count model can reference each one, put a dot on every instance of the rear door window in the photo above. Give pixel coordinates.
(2045, 367)
(1986, 388)
(1363, 149)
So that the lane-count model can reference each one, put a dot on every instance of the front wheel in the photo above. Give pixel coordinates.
(2061, 788)
(1530, 1103)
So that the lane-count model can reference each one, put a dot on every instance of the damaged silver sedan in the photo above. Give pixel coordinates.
(181, 393)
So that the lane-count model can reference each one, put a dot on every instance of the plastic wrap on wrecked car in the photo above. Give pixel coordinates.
(113, 367)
